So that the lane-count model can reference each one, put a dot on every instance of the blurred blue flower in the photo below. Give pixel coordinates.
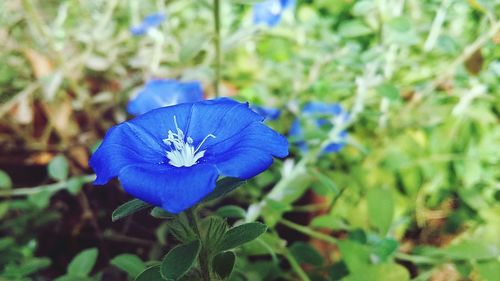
(172, 156)
(160, 93)
(150, 21)
(321, 116)
(269, 113)
(269, 12)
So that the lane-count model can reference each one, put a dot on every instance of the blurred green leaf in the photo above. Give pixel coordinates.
(41, 199)
(380, 272)
(380, 209)
(82, 264)
(490, 270)
(354, 28)
(5, 181)
(472, 250)
(355, 255)
(129, 263)
(58, 168)
(389, 91)
(305, 253)
(74, 186)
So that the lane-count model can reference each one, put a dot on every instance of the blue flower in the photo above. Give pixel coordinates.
(269, 12)
(321, 117)
(172, 156)
(150, 21)
(160, 93)
(269, 113)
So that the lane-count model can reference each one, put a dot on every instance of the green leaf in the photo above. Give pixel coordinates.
(223, 264)
(490, 270)
(223, 187)
(213, 229)
(159, 213)
(58, 168)
(5, 181)
(231, 211)
(192, 47)
(325, 181)
(179, 227)
(380, 209)
(129, 263)
(31, 266)
(472, 250)
(180, 260)
(385, 248)
(241, 234)
(305, 253)
(389, 91)
(41, 199)
(329, 222)
(380, 272)
(354, 28)
(128, 208)
(74, 278)
(356, 256)
(74, 185)
(82, 264)
(150, 274)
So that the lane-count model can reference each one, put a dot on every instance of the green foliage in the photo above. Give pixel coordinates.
(82, 264)
(150, 274)
(179, 260)
(129, 263)
(380, 209)
(58, 168)
(5, 181)
(417, 181)
(223, 264)
(127, 209)
(223, 187)
(241, 234)
(380, 272)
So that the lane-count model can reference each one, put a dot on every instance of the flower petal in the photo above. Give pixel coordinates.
(161, 92)
(156, 123)
(248, 153)
(122, 146)
(223, 121)
(174, 189)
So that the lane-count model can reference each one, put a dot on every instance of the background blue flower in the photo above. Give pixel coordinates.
(172, 156)
(269, 113)
(150, 21)
(322, 116)
(269, 12)
(160, 93)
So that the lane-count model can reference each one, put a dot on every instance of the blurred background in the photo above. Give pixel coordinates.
(411, 192)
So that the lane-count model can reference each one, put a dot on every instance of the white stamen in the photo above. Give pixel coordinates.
(183, 153)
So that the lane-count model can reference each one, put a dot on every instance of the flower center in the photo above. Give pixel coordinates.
(182, 152)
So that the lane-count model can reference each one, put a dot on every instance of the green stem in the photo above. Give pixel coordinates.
(318, 235)
(308, 231)
(295, 265)
(217, 46)
(25, 191)
(203, 257)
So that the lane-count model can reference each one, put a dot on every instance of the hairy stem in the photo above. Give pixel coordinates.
(203, 257)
